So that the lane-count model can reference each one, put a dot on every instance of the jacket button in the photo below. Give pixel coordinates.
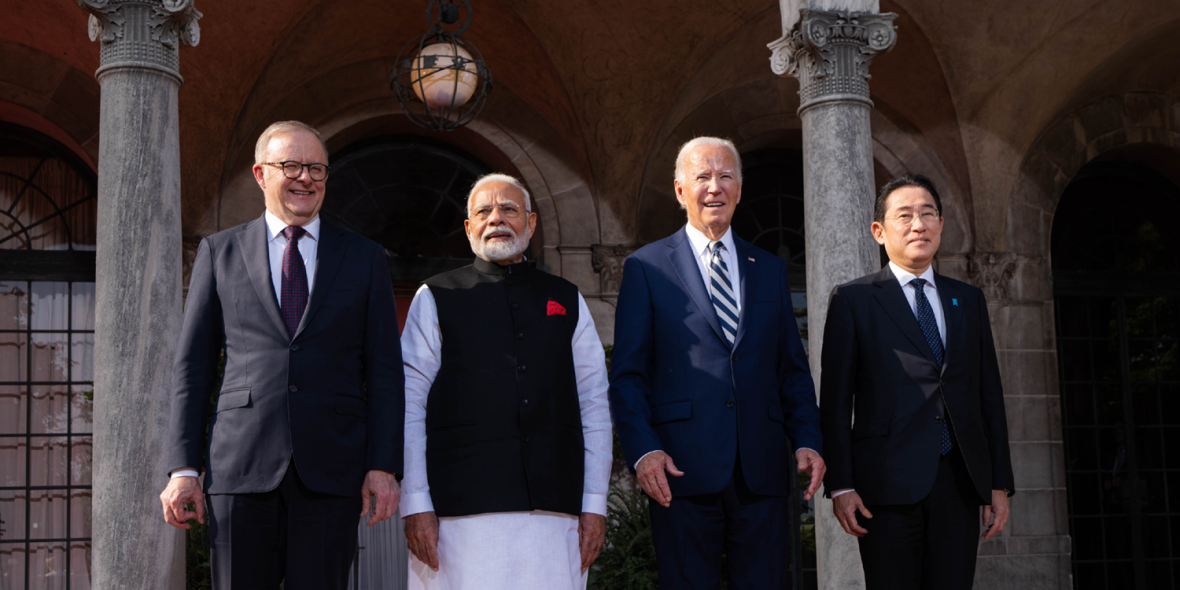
(294, 348)
(521, 368)
(526, 439)
(734, 357)
(515, 306)
(520, 335)
(938, 419)
(942, 383)
(293, 389)
(729, 403)
(524, 402)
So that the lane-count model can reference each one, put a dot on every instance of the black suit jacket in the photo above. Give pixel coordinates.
(332, 398)
(876, 361)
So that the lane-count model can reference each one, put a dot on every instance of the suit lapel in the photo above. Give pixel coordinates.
(747, 285)
(252, 242)
(683, 261)
(952, 314)
(891, 297)
(329, 254)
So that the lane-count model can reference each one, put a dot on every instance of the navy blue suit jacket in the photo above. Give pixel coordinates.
(677, 387)
(332, 397)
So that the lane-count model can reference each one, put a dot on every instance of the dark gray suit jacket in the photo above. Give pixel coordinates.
(332, 398)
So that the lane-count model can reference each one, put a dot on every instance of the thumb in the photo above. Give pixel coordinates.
(364, 501)
(864, 510)
(804, 462)
(671, 467)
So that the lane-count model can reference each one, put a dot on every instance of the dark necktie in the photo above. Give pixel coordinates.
(722, 293)
(930, 331)
(294, 280)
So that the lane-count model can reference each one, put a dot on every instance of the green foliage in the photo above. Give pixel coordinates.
(628, 559)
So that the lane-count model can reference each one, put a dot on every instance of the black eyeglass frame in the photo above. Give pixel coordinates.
(283, 166)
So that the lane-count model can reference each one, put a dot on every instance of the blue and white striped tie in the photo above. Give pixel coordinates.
(722, 292)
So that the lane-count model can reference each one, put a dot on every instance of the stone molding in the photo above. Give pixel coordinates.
(607, 261)
(992, 272)
(830, 53)
(142, 34)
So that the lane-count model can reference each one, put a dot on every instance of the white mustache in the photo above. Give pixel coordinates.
(491, 230)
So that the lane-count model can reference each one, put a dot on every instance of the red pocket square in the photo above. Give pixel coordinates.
(554, 308)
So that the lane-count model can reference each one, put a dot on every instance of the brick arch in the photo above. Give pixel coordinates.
(1071, 141)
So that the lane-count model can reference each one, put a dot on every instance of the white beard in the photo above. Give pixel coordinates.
(499, 251)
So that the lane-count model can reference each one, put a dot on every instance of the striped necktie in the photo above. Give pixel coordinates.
(294, 284)
(930, 331)
(721, 290)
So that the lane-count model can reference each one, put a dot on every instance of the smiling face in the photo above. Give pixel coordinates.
(911, 245)
(707, 186)
(294, 201)
(498, 225)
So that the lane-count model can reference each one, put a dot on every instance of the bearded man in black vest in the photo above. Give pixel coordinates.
(508, 431)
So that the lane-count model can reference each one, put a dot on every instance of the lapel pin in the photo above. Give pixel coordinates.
(750, 258)
(954, 302)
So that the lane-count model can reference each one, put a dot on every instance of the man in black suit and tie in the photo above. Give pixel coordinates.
(909, 353)
(308, 423)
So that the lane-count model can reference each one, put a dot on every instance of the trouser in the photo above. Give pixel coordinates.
(289, 533)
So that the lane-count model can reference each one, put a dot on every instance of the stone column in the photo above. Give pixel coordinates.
(829, 52)
(138, 293)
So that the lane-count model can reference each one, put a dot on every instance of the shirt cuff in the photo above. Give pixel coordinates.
(807, 449)
(416, 503)
(184, 473)
(594, 503)
(636, 465)
(842, 492)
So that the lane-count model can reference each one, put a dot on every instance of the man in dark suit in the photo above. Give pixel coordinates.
(910, 353)
(709, 371)
(308, 424)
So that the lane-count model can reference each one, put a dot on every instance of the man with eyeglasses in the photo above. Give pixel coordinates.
(912, 407)
(306, 432)
(508, 431)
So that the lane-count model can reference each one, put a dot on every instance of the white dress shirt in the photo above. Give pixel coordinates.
(911, 295)
(276, 243)
(700, 246)
(422, 357)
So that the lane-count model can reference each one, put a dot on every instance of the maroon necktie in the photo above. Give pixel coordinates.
(294, 280)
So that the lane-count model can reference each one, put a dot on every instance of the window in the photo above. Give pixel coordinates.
(47, 237)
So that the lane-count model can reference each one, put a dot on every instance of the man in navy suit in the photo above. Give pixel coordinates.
(711, 385)
(910, 352)
(308, 424)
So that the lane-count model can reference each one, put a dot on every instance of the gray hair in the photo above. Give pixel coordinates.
(497, 177)
(697, 142)
(285, 127)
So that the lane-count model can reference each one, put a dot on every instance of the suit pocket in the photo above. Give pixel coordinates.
(671, 412)
(350, 405)
(873, 426)
(234, 398)
(776, 411)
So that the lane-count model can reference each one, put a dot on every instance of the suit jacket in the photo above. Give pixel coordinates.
(677, 387)
(332, 397)
(876, 361)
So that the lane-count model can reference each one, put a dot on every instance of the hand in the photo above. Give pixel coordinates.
(180, 492)
(999, 508)
(650, 473)
(591, 535)
(813, 464)
(383, 486)
(845, 506)
(422, 537)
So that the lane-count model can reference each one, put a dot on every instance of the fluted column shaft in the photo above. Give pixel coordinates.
(138, 302)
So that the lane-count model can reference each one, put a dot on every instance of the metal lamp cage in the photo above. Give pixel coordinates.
(408, 70)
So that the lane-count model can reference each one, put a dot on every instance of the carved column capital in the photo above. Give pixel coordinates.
(607, 261)
(992, 272)
(830, 53)
(142, 34)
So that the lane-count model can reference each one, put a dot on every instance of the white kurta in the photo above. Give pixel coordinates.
(506, 550)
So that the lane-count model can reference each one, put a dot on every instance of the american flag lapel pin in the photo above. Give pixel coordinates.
(750, 258)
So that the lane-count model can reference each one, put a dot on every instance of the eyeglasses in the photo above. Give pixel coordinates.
(293, 169)
(906, 218)
(483, 212)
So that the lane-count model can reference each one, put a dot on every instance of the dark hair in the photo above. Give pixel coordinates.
(907, 179)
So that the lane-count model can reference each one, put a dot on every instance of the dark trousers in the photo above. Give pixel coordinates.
(290, 532)
(929, 545)
(691, 533)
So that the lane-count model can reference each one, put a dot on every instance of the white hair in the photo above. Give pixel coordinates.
(285, 127)
(682, 157)
(497, 177)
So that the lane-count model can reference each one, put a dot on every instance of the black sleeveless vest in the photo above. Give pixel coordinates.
(503, 423)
